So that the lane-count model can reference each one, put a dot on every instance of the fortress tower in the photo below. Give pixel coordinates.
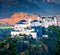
(29, 22)
(55, 21)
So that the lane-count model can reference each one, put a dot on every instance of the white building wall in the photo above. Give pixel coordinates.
(46, 23)
(34, 35)
(13, 33)
(55, 20)
(20, 26)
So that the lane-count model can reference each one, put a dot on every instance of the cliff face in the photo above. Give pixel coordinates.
(17, 17)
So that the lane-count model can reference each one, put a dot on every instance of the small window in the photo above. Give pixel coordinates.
(40, 21)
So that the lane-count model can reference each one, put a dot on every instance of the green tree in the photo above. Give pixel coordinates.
(57, 52)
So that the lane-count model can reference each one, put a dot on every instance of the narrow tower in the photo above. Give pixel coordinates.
(55, 21)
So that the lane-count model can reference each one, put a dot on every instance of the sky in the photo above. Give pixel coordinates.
(38, 7)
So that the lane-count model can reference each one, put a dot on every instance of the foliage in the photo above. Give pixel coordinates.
(30, 46)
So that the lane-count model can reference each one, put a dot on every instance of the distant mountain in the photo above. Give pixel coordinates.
(17, 17)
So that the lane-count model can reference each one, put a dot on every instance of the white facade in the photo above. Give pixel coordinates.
(46, 22)
(36, 24)
(22, 29)
(21, 26)
(45, 36)
(34, 35)
(14, 33)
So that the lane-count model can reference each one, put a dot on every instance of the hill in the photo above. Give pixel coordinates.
(17, 17)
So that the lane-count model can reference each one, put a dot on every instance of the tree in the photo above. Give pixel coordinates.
(57, 52)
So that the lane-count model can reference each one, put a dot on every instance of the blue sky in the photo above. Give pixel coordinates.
(38, 7)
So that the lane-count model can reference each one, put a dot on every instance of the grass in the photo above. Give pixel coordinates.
(5, 27)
